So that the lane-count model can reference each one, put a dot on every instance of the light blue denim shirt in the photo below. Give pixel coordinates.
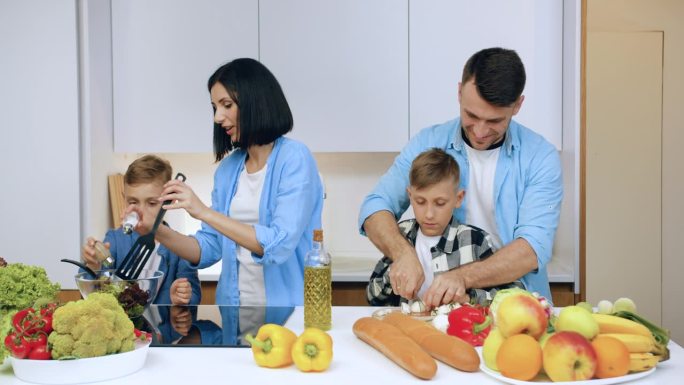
(289, 210)
(528, 188)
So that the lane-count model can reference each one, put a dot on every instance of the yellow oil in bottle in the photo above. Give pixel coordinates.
(317, 297)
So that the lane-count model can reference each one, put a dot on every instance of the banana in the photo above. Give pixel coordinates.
(614, 324)
(639, 362)
(635, 343)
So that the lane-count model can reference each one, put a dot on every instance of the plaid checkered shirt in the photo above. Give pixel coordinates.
(459, 244)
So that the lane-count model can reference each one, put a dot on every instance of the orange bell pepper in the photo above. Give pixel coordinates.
(272, 346)
(312, 351)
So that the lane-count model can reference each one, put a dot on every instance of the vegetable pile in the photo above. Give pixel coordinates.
(20, 286)
(30, 330)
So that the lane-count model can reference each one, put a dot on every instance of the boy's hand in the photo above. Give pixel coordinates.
(89, 254)
(181, 291)
(181, 319)
(446, 288)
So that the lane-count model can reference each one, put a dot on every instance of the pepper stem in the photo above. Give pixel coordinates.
(311, 350)
(265, 345)
(478, 328)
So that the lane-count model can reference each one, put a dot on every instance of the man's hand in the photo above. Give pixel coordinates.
(181, 319)
(446, 288)
(181, 291)
(406, 274)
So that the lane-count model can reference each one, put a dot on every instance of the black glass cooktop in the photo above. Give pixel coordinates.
(208, 325)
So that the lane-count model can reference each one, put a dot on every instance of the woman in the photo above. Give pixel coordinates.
(267, 197)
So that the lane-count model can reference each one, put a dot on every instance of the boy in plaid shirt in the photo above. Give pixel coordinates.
(441, 242)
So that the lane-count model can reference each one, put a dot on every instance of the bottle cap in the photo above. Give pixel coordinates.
(318, 235)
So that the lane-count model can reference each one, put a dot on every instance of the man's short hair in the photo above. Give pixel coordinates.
(148, 169)
(499, 75)
(432, 167)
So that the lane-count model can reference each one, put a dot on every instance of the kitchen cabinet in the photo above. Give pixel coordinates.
(39, 135)
(443, 34)
(163, 53)
(343, 67)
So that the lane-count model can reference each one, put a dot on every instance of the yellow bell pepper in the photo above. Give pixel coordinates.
(272, 346)
(313, 350)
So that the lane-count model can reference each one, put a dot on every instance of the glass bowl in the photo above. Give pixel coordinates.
(134, 295)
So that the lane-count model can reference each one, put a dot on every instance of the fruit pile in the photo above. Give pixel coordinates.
(29, 334)
(577, 345)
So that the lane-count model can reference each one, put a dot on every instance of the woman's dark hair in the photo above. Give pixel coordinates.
(264, 114)
(499, 75)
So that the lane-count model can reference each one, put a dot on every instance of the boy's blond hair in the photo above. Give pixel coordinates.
(432, 167)
(148, 169)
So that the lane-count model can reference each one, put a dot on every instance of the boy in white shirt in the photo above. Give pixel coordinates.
(442, 244)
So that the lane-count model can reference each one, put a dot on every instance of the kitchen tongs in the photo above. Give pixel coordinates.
(132, 265)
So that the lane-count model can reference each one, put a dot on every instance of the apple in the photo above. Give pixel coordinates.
(577, 319)
(491, 347)
(568, 356)
(521, 314)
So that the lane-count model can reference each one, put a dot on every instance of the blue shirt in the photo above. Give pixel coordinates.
(289, 210)
(173, 266)
(528, 188)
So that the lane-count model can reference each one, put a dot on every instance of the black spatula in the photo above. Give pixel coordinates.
(132, 265)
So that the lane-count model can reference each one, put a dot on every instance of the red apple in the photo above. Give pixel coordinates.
(521, 314)
(568, 356)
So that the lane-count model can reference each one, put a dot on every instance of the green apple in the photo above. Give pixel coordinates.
(491, 347)
(521, 314)
(577, 319)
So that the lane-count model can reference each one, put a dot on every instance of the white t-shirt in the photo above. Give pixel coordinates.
(480, 195)
(423, 246)
(245, 208)
(153, 262)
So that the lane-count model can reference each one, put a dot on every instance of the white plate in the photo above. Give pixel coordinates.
(58, 372)
(381, 313)
(542, 379)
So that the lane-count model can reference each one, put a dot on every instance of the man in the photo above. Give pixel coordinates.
(511, 175)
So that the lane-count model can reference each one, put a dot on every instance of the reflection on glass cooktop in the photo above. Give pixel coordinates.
(208, 325)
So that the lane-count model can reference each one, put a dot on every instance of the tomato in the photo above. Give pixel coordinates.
(47, 324)
(35, 340)
(17, 346)
(40, 353)
(48, 309)
(21, 320)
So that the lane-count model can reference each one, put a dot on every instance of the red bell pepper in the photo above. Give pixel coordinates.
(470, 323)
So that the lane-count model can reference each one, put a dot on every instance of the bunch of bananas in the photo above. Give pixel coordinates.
(645, 351)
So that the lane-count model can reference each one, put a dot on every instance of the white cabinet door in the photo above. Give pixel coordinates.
(39, 135)
(163, 54)
(343, 66)
(445, 33)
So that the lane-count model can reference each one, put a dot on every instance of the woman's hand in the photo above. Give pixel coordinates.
(182, 197)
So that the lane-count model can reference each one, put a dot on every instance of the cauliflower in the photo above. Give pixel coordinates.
(91, 327)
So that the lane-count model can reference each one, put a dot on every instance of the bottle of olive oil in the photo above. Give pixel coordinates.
(317, 285)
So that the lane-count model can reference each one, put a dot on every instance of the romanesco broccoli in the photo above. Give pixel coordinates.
(91, 327)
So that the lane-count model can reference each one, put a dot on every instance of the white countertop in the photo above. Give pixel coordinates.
(344, 269)
(358, 269)
(354, 361)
